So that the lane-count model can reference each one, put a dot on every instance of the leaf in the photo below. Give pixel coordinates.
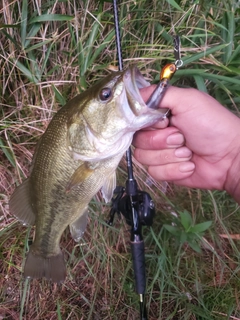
(33, 31)
(59, 96)
(24, 22)
(228, 22)
(161, 29)
(34, 66)
(183, 237)
(235, 55)
(16, 25)
(195, 246)
(173, 230)
(102, 47)
(175, 5)
(200, 83)
(205, 53)
(201, 227)
(89, 45)
(207, 75)
(46, 57)
(186, 219)
(51, 17)
(11, 39)
(8, 154)
(38, 45)
(26, 72)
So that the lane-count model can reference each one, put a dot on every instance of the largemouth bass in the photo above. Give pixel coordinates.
(75, 158)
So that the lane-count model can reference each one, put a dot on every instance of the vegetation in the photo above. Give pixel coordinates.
(49, 52)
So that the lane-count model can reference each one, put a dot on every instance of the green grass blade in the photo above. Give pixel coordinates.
(228, 34)
(46, 57)
(208, 75)
(59, 96)
(89, 45)
(14, 41)
(8, 154)
(59, 316)
(37, 45)
(102, 46)
(51, 17)
(34, 66)
(205, 53)
(24, 298)
(4, 25)
(32, 33)
(162, 30)
(235, 56)
(25, 71)
(200, 83)
(175, 5)
(39, 53)
(24, 22)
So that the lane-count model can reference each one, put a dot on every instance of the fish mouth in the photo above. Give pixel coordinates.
(133, 81)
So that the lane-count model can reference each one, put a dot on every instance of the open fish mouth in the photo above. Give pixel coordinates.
(134, 81)
(138, 79)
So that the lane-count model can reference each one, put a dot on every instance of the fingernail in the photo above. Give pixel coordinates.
(183, 152)
(175, 139)
(186, 167)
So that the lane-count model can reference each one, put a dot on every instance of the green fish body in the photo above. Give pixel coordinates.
(75, 158)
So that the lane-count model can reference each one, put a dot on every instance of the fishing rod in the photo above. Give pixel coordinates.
(137, 206)
(131, 203)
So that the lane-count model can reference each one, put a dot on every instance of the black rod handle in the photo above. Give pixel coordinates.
(138, 256)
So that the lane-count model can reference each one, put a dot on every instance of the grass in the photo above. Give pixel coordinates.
(49, 52)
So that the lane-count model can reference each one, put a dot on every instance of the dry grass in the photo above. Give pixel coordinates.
(46, 63)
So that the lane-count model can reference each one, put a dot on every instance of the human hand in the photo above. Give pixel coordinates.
(200, 148)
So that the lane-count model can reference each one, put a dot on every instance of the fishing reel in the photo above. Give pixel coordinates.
(123, 204)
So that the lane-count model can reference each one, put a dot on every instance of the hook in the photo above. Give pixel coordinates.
(177, 52)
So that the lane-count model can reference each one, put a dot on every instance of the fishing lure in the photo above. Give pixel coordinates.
(165, 76)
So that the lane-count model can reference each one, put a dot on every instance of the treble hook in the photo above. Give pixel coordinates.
(165, 76)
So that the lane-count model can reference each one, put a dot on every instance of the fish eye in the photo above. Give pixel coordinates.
(105, 94)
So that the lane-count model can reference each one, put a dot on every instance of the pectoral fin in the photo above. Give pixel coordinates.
(20, 204)
(108, 187)
(78, 227)
(79, 176)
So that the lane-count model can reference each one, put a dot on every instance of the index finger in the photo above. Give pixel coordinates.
(156, 139)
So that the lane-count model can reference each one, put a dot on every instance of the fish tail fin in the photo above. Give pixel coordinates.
(52, 268)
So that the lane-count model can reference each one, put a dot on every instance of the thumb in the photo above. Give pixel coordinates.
(170, 97)
(173, 96)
